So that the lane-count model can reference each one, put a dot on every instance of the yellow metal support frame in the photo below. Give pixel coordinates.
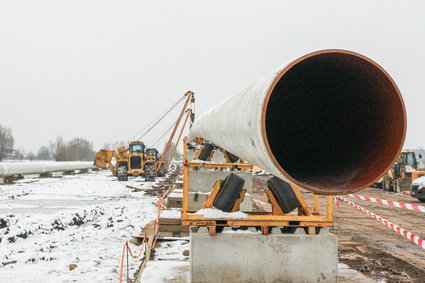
(276, 217)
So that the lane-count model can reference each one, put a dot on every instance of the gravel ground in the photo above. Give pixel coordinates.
(367, 245)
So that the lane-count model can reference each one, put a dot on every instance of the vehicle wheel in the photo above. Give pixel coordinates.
(421, 199)
(386, 183)
(122, 173)
(394, 187)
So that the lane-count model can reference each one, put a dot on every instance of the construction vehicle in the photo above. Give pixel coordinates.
(136, 161)
(128, 161)
(417, 189)
(399, 178)
(163, 165)
(151, 159)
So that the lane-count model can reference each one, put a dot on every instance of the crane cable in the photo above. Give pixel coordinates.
(162, 117)
(143, 132)
(159, 138)
(159, 117)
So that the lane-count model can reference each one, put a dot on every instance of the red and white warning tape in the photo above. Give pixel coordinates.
(391, 203)
(412, 237)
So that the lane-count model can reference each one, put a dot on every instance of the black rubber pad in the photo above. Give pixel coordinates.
(229, 192)
(283, 193)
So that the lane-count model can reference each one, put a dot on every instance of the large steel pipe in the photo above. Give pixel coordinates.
(25, 168)
(332, 122)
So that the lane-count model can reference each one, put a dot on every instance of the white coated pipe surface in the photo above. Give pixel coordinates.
(236, 124)
(332, 122)
(25, 168)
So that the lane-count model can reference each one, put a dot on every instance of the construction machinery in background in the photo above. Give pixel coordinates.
(151, 159)
(400, 176)
(127, 161)
(137, 160)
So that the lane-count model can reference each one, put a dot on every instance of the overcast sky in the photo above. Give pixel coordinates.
(102, 69)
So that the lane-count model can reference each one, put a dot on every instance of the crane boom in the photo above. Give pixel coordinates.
(188, 114)
(190, 97)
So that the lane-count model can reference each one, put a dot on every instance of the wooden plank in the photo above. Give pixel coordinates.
(238, 201)
(145, 190)
(303, 205)
(147, 258)
(174, 204)
(276, 210)
(148, 230)
(175, 198)
(323, 223)
(168, 221)
(176, 235)
(173, 239)
(311, 230)
(212, 230)
(217, 186)
(173, 228)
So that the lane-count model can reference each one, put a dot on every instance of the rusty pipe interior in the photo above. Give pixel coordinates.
(334, 122)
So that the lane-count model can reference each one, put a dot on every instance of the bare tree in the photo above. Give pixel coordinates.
(76, 149)
(31, 156)
(22, 153)
(44, 153)
(79, 149)
(58, 148)
(6, 141)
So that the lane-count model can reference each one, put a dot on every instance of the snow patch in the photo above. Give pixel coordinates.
(216, 213)
(80, 219)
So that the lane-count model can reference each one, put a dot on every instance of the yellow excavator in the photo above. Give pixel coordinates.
(128, 161)
(400, 176)
(138, 161)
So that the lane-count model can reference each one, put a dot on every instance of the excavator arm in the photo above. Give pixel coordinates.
(104, 158)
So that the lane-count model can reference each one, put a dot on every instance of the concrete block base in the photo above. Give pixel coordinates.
(203, 181)
(235, 256)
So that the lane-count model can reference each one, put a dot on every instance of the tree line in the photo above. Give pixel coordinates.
(77, 149)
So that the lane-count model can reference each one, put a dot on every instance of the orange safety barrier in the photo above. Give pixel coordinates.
(151, 247)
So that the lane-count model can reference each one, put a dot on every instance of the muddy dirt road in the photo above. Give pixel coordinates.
(369, 246)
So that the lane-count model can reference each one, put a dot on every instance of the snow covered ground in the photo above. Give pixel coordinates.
(169, 265)
(48, 224)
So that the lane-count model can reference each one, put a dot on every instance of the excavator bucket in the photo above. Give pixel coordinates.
(103, 157)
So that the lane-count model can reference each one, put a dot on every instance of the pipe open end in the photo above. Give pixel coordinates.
(334, 122)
